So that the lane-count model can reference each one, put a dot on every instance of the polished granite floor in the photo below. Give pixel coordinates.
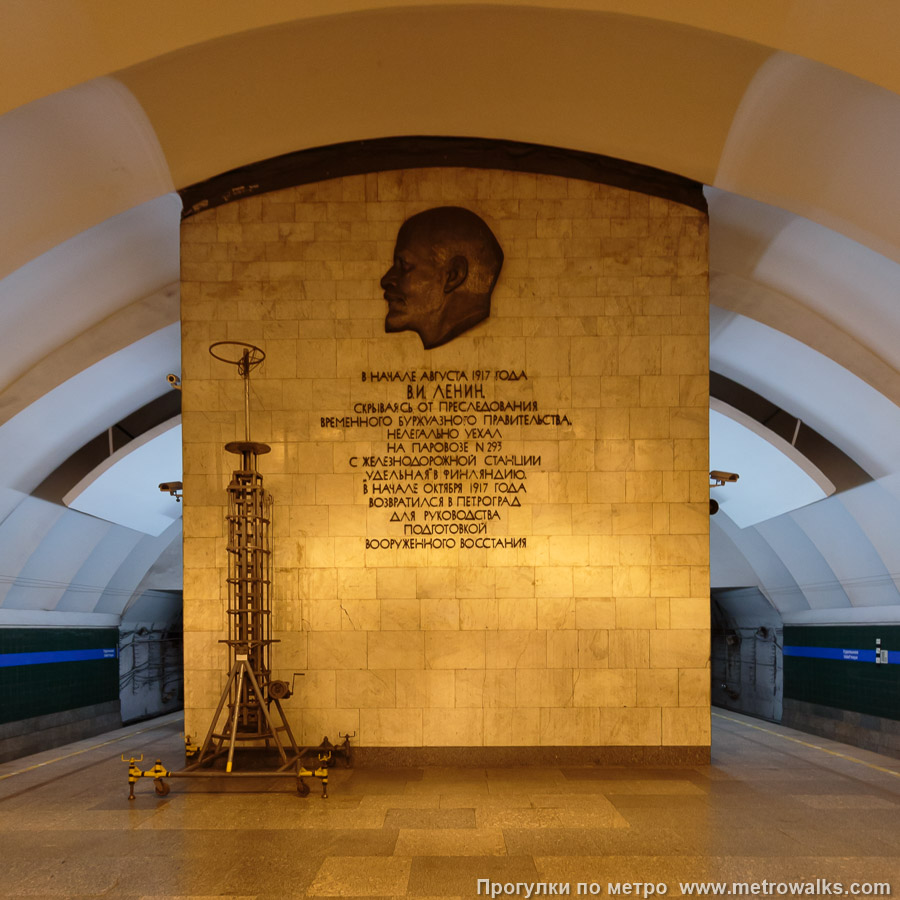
(775, 805)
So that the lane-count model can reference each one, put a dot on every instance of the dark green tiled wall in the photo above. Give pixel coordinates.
(862, 687)
(40, 689)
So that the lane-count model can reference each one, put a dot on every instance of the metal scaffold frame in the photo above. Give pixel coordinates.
(251, 699)
(247, 694)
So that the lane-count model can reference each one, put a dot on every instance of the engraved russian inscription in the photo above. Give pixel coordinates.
(449, 456)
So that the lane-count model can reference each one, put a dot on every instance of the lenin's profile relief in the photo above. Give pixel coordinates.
(446, 263)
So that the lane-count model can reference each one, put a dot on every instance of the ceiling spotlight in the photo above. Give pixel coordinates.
(717, 478)
(174, 381)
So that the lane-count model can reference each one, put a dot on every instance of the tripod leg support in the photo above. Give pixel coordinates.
(303, 788)
(157, 773)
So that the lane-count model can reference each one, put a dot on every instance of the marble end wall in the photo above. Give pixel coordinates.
(562, 600)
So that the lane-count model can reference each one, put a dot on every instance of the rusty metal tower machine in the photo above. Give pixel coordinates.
(253, 700)
(249, 711)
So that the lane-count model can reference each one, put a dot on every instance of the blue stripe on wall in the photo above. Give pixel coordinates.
(54, 656)
(846, 655)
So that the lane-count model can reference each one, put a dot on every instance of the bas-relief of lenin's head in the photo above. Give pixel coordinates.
(446, 264)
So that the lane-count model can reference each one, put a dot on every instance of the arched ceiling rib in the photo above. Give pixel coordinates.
(123, 488)
(771, 574)
(34, 442)
(99, 566)
(852, 415)
(605, 84)
(71, 161)
(850, 554)
(787, 315)
(88, 278)
(809, 282)
(834, 562)
(809, 568)
(116, 333)
(774, 477)
(808, 138)
(61, 43)
(62, 552)
(60, 567)
(135, 576)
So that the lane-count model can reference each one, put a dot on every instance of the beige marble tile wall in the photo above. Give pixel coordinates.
(502, 541)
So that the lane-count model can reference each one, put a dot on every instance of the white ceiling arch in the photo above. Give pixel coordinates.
(71, 161)
(62, 43)
(110, 107)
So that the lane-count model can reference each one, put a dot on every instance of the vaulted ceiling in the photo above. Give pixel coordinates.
(788, 111)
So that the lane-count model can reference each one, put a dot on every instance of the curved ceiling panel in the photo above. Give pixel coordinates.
(728, 567)
(48, 573)
(807, 280)
(34, 442)
(808, 567)
(622, 86)
(787, 315)
(61, 567)
(116, 332)
(876, 510)
(99, 567)
(70, 161)
(852, 415)
(773, 576)
(21, 531)
(809, 138)
(124, 488)
(774, 478)
(134, 578)
(851, 556)
(89, 277)
(58, 43)
(832, 562)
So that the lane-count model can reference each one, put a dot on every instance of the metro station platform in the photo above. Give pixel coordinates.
(774, 806)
